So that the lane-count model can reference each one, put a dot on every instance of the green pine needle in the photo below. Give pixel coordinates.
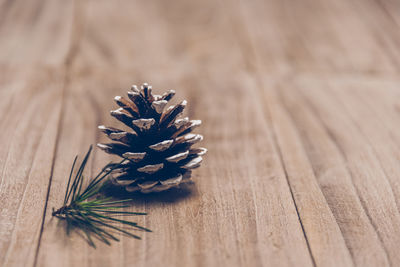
(91, 212)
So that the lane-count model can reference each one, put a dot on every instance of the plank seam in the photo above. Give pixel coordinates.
(340, 150)
(279, 152)
(73, 48)
(252, 70)
(51, 177)
(397, 201)
(385, 10)
(373, 149)
(301, 136)
(27, 178)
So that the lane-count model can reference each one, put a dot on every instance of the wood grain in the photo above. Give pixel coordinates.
(299, 102)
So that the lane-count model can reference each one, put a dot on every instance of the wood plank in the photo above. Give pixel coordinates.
(326, 242)
(31, 105)
(377, 129)
(335, 180)
(314, 36)
(367, 174)
(325, 239)
(292, 152)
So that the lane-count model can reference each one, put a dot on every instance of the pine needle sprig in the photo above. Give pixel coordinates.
(93, 213)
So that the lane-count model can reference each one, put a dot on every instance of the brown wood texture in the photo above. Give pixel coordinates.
(300, 103)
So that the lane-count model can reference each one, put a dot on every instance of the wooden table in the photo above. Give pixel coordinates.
(300, 108)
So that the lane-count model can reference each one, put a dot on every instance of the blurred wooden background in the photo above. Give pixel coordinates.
(300, 108)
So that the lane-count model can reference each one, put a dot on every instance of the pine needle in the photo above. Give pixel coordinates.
(89, 211)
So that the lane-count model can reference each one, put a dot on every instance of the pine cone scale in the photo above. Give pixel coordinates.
(159, 105)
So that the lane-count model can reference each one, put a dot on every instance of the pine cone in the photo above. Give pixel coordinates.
(158, 146)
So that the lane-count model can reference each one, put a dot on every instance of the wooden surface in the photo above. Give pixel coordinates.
(300, 103)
